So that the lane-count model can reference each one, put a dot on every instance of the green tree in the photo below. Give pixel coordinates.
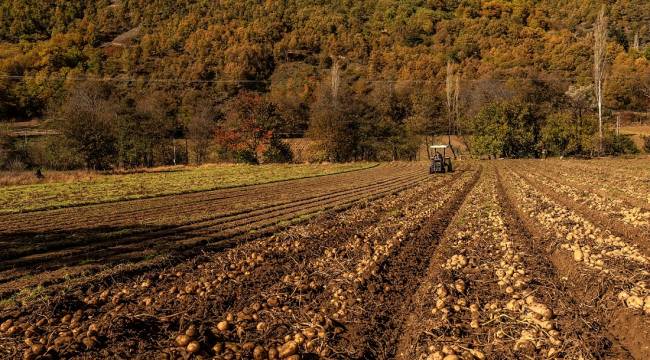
(564, 135)
(505, 129)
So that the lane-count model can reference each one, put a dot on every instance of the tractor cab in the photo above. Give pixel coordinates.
(440, 162)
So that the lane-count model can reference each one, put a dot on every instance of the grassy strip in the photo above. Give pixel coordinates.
(112, 188)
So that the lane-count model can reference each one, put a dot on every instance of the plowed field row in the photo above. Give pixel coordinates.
(63, 257)
(488, 293)
(607, 273)
(209, 287)
(169, 210)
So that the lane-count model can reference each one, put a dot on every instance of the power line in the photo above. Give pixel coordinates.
(240, 81)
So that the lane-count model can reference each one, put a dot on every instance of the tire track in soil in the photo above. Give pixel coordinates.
(8, 287)
(377, 337)
(629, 332)
(638, 236)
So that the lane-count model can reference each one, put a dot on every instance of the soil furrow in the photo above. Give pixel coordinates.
(377, 334)
(111, 214)
(69, 240)
(638, 236)
(597, 291)
(207, 232)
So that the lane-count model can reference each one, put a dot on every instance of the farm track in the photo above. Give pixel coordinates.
(596, 290)
(638, 235)
(142, 246)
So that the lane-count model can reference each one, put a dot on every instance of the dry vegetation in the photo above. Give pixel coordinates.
(502, 259)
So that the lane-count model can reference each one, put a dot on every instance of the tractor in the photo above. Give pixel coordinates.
(440, 162)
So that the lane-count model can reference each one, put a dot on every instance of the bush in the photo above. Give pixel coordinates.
(247, 157)
(53, 152)
(646, 144)
(14, 154)
(619, 145)
(278, 152)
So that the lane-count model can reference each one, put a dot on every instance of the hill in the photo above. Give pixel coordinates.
(195, 41)
(184, 58)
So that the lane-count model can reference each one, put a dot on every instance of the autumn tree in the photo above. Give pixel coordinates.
(201, 128)
(87, 120)
(249, 128)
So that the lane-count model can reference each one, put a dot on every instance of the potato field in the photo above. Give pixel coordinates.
(512, 259)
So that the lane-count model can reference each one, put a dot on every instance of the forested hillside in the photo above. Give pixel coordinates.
(383, 64)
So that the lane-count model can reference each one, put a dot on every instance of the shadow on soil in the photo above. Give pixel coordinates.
(78, 247)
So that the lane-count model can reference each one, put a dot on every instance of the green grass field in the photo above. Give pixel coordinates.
(109, 188)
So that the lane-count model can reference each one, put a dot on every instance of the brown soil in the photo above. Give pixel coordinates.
(346, 266)
(594, 292)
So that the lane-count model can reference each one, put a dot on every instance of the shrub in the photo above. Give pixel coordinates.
(619, 145)
(246, 156)
(278, 152)
(646, 144)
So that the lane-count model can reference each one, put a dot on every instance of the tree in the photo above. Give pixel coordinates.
(600, 63)
(342, 125)
(87, 120)
(249, 128)
(201, 129)
(563, 135)
(451, 97)
(146, 130)
(507, 129)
